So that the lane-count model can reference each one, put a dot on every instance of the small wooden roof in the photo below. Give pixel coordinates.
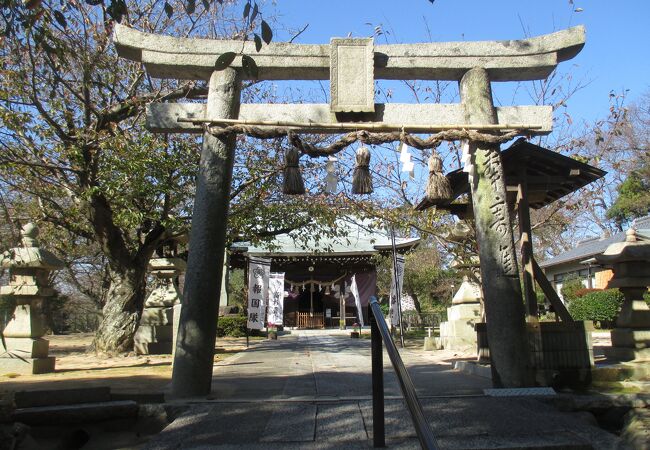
(549, 175)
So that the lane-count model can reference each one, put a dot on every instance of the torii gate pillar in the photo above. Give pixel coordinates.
(504, 308)
(197, 330)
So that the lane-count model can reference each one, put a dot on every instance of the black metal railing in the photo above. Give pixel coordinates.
(380, 332)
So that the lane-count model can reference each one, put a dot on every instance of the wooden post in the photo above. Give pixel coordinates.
(504, 308)
(194, 358)
(342, 303)
(526, 239)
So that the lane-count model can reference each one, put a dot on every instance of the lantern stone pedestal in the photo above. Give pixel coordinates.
(458, 333)
(156, 333)
(29, 266)
(630, 262)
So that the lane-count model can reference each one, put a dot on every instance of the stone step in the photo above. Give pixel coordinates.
(75, 414)
(53, 397)
(140, 397)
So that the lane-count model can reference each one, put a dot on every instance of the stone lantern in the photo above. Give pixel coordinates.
(29, 267)
(156, 332)
(630, 262)
(458, 332)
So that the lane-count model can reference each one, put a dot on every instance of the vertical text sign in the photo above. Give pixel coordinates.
(258, 282)
(276, 299)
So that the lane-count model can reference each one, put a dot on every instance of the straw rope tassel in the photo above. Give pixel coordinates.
(292, 183)
(361, 179)
(438, 188)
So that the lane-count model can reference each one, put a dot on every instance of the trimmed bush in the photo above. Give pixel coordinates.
(598, 306)
(570, 286)
(585, 291)
(233, 326)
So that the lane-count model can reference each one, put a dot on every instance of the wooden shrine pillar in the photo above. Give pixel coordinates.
(194, 358)
(526, 239)
(504, 308)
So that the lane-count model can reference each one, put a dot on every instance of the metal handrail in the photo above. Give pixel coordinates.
(380, 332)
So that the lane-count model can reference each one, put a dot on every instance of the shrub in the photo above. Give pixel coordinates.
(584, 291)
(233, 326)
(570, 286)
(598, 306)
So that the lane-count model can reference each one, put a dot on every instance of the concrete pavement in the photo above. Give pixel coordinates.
(314, 391)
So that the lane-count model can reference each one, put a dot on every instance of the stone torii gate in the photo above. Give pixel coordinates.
(351, 65)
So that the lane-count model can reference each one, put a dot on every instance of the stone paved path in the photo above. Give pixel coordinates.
(313, 391)
(325, 366)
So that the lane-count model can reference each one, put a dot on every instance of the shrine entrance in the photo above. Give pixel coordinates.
(318, 275)
(352, 66)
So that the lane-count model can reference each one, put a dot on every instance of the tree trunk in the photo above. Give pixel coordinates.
(127, 272)
(122, 311)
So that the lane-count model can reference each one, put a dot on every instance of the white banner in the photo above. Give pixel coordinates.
(354, 289)
(276, 299)
(258, 286)
(399, 280)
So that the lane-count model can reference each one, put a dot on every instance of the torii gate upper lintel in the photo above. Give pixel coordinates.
(351, 65)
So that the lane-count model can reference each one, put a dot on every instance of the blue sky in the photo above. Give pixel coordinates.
(616, 56)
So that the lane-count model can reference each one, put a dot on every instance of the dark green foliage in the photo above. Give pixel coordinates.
(570, 287)
(267, 34)
(584, 291)
(224, 60)
(249, 66)
(633, 196)
(385, 306)
(233, 326)
(237, 289)
(598, 306)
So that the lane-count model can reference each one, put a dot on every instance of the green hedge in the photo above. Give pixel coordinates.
(233, 326)
(600, 306)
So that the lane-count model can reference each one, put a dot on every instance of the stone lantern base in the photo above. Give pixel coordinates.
(19, 362)
(631, 337)
(458, 332)
(26, 351)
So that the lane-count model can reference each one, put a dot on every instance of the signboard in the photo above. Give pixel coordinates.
(258, 284)
(276, 299)
(328, 313)
(396, 281)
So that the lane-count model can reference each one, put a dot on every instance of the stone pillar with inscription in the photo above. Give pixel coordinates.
(29, 267)
(155, 335)
(504, 307)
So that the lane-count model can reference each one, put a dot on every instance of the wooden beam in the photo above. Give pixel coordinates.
(550, 293)
(526, 242)
(163, 117)
(512, 60)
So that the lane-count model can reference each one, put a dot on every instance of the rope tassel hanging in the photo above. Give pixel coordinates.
(438, 188)
(361, 179)
(292, 183)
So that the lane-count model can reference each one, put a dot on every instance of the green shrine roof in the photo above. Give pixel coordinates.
(352, 238)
